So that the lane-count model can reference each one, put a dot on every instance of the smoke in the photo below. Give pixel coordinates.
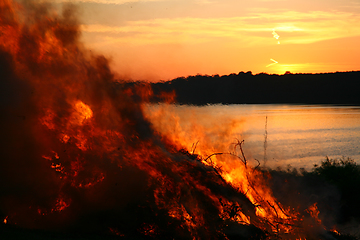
(18, 143)
(44, 71)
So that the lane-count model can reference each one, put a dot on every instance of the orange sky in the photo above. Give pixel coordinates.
(164, 39)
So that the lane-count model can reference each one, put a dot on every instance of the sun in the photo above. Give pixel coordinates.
(283, 68)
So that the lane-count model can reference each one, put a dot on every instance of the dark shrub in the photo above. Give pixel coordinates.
(345, 174)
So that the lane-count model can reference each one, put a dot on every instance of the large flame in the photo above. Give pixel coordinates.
(78, 154)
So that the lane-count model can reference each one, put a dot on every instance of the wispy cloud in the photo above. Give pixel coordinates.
(270, 0)
(252, 29)
(105, 1)
(203, 2)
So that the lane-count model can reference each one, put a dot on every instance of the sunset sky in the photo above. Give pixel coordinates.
(164, 39)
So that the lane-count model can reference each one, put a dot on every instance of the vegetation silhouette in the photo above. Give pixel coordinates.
(334, 185)
(263, 88)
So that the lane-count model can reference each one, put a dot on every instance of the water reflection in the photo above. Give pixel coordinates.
(299, 135)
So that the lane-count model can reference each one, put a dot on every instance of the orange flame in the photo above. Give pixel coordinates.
(82, 112)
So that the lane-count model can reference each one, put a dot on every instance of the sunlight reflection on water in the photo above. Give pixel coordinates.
(299, 135)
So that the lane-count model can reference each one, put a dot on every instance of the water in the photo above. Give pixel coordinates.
(297, 135)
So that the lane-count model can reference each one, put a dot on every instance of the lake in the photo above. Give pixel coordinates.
(276, 135)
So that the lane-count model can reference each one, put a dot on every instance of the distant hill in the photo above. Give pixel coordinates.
(246, 88)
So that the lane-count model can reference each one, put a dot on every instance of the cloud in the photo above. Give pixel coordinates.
(270, 0)
(118, 2)
(300, 28)
(203, 2)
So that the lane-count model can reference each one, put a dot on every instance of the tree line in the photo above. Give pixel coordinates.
(263, 88)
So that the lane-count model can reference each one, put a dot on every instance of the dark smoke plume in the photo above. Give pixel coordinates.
(43, 69)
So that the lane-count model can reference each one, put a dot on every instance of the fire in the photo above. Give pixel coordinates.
(82, 112)
(61, 205)
(235, 169)
(87, 156)
(314, 212)
(333, 229)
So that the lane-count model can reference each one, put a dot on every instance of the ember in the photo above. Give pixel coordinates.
(79, 155)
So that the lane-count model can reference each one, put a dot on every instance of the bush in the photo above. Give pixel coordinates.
(345, 175)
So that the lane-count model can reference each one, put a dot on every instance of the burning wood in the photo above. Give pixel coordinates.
(84, 158)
